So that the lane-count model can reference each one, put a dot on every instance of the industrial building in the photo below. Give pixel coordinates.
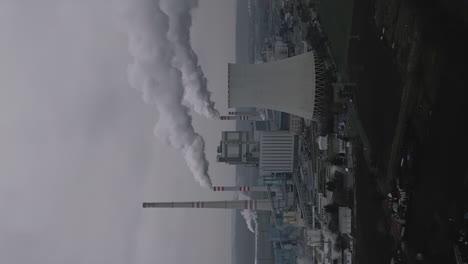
(344, 216)
(296, 124)
(271, 151)
(277, 149)
(239, 147)
(333, 144)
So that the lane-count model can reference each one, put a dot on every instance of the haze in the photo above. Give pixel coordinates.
(78, 151)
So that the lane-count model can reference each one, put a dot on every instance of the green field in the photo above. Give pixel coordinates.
(336, 17)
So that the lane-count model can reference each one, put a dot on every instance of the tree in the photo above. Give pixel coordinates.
(341, 243)
(333, 225)
(337, 161)
(331, 186)
(331, 208)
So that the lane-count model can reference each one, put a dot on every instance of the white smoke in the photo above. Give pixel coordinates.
(196, 94)
(154, 74)
(250, 216)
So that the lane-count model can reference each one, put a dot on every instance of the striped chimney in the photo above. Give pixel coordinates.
(244, 113)
(260, 205)
(241, 117)
(247, 188)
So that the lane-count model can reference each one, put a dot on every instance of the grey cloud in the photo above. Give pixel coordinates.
(78, 155)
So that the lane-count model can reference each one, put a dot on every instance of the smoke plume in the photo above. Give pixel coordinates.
(250, 216)
(250, 219)
(196, 94)
(154, 74)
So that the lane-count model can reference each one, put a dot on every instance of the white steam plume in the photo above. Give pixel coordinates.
(250, 216)
(153, 73)
(196, 94)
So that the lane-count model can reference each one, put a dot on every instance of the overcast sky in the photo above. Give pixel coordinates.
(77, 150)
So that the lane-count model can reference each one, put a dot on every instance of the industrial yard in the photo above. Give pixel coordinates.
(391, 139)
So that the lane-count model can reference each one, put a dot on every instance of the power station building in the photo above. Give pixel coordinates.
(272, 151)
(238, 147)
(294, 85)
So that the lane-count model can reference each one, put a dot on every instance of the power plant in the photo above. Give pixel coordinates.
(282, 106)
(293, 188)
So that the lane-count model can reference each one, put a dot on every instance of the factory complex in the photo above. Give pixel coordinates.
(304, 196)
(300, 141)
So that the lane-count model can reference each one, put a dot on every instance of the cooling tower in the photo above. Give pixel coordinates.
(294, 85)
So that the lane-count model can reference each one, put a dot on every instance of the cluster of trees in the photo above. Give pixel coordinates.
(341, 243)
(335, 183)
(331, 208)
(333, 224)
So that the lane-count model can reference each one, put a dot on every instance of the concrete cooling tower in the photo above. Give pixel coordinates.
(294, 85)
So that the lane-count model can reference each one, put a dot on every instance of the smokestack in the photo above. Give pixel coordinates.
(234, 117)
(240, 117)
(261, 205)
(247, 188)
(253, 113)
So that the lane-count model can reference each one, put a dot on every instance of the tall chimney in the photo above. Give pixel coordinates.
(247, 188)
(260, 205)
(240, 117)
(252, 113)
